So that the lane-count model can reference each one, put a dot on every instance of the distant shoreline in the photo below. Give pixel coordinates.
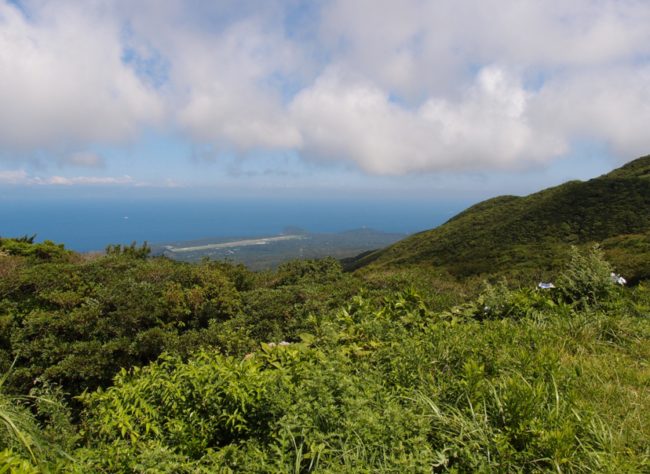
(237, 243)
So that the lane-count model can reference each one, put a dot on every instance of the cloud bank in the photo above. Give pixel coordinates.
(22, 177)
(389, 87)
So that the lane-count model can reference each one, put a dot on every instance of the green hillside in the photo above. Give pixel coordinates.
(531, 234)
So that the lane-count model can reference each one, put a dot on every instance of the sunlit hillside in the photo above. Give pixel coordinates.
(531, 235)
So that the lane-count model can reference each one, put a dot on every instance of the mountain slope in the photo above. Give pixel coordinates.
(519, 234)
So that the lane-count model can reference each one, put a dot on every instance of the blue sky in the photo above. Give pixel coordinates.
(417, 99)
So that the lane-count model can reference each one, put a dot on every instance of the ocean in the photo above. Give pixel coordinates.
(91, 224)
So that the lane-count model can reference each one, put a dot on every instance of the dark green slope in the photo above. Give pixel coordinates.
(518, 234)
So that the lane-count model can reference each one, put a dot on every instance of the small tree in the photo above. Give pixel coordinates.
(129, 250)
(586, 279)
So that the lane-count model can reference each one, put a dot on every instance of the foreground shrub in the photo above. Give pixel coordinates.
(34, 431)
(285, 408)
(586, 279)
(391, 388)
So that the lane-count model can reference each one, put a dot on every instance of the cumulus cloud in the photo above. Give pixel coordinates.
(63, 81)
(388, 86)
(228, 98)
(488, 126)
(420, 48)
(22, 177)
(611, 106)
(432, 101)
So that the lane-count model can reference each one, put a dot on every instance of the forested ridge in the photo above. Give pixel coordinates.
(531, 235)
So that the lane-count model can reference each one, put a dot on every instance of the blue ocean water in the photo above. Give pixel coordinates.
(91, 224)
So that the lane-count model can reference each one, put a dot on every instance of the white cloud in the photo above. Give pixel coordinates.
(416, 47)
(389, 86)
(564, 33)
(488, 126)
(229, 100)
(228, 64)
(86, 180)
(13, 177)
(22, 177)
(611, 106)
(62, 80)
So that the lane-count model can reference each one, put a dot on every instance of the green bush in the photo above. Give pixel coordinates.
(45, 251)
(313, 271)
(586, 279)
(132, 250)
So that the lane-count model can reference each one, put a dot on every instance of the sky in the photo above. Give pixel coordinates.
(425, 99)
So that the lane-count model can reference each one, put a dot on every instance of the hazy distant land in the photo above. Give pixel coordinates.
(264, 252)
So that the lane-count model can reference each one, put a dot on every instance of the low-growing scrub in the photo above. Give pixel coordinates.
(127, 364)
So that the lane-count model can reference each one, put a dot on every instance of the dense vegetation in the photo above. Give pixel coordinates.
(124, 363)
(531, 235)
